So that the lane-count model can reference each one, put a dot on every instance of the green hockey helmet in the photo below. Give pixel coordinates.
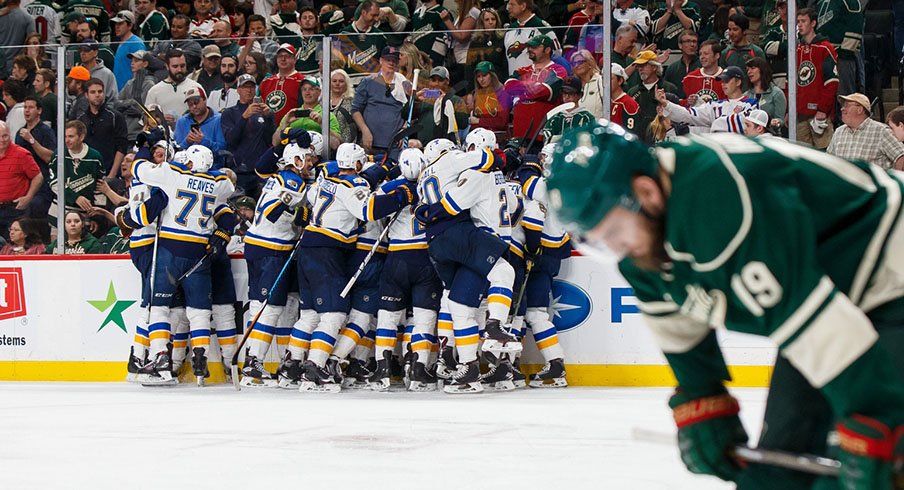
(591, 173)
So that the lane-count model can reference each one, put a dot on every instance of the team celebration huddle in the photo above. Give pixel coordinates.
(359, 269)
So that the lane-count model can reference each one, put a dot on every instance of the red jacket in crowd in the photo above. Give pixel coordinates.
(817, 78)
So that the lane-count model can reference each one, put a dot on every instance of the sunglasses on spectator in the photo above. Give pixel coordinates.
(578, 61)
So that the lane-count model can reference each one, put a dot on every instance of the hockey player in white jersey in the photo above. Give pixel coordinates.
(547, 245)
(462, 213)
(268, 245)
(188, 231)
(327, 243)
(408, 279)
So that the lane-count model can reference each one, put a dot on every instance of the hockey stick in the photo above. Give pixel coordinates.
(807, 463)
(191, 271)
(234, 365)
(417, 73)
(529, 265)
(373, 250)
(449, 112)
(555, 110)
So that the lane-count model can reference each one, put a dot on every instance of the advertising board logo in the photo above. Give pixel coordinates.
(12, 293)
(571, 306)
(115, 306)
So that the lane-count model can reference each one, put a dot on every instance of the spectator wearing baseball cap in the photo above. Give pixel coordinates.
(88, 50)
(135, 92)
(128, 43)
(282, 90)
(201, 126)
(378, 102)
(863, 138)
(723, 115)
(624, 108)
(208, 75)
(438, 94)
(247, 129)
(649, 70)
(756, 124)
(310, 102)
(571, 117)
(491, 103)
(76, 103)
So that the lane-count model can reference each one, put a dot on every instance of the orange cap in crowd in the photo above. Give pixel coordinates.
(79, 73)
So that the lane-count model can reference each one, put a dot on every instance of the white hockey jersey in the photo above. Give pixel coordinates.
(516, 215)
(340, 203)
(487, 196)
(196, 200)
(283, 189)
(538, 218)
(139, 193)
(725, 115)
(442, 175)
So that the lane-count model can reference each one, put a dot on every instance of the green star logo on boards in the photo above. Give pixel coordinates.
(116, 307)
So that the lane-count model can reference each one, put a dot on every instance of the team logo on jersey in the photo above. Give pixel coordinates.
(707, 95)
(806, 74)
(516, 49)
(570, 305)
(115, 306)
(12, 293)
(276, 100)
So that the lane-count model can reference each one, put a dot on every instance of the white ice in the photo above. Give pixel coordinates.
(118, 436)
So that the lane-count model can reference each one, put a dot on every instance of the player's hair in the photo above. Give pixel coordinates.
(895, 116)
(78, 126)
(714, 44)
(741, 21)
(809, 13)
(765, 71)
(92, 82)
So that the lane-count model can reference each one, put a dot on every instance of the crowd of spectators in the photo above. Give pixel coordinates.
(230, 75)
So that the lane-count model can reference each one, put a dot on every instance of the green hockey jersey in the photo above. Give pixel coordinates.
(770, 238)
(841, 21)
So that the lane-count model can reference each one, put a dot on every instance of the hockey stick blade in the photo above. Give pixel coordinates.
(807, 463)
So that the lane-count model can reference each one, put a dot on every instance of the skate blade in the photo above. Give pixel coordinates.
(380, 386)
(131, 377)
(354, 384)
(149, 381)
(287, 384)
(309, 387)
(549, 383)
(506, 385)
(496, 347)
(251, 382)
(463, 389)
(200, 380)
(421, 387)
(520, 384)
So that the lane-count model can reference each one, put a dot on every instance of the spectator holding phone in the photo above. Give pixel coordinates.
(247, 127)
(310, 115)
(201, 126)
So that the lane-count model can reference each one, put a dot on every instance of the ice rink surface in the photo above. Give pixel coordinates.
(120, 436)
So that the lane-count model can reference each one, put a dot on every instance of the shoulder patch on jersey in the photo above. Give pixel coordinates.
(340, 180)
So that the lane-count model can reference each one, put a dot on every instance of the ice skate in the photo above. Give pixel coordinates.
(199, 365)
(379, 380)
(133, 366)
(445, 363)
(355, 375)
(499, 377)
(518, 377)
(465, 380)
(289, 373)
(422, 379)
(158, 372)
(254, 375)
(497, 339)
(316, 379)
(335, 371)
(551, 376)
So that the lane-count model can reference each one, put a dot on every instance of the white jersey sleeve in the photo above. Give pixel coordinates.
(273, 226)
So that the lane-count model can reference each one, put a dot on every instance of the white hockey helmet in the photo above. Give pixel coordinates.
(437, 148)
(316, 142)
(168, 148)
(349, 155)
(481, 138)
(293, 151)
(412, 162)
(181, 157)
(546, 154)
(200, 157)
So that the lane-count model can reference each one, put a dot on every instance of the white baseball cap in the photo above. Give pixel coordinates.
(758, 117)
(618, 71)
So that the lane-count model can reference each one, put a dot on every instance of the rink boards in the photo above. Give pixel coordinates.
(65, 319)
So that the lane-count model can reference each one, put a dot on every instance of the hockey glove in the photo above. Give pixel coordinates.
(302, 217)
(155, 136)
(422, 214)
(125, 222)
(406, 193)
(512, 160)
(217, 242)
(295, 135)
(708, 430)
(871, 454)
(141, 139)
